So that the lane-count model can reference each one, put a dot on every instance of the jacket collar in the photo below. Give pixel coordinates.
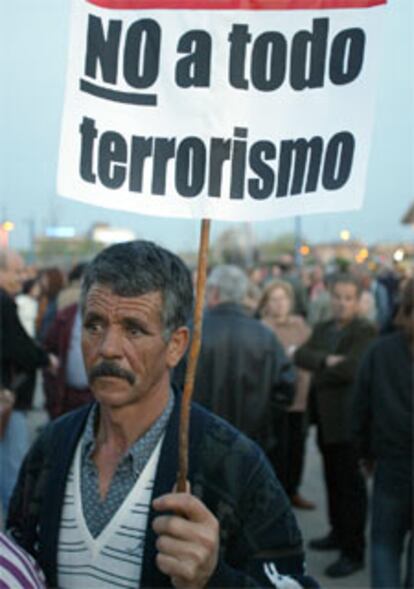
(6, 295)
(63, 446)
(164, 482)
(228, 309)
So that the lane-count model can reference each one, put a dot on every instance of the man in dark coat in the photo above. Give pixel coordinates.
(333, 353)
(383, 427)
(243, 373)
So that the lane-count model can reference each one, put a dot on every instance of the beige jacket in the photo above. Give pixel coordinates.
(293, 333)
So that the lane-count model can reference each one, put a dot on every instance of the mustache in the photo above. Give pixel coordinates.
(107, 368)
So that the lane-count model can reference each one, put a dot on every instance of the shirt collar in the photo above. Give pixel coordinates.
(134, 452)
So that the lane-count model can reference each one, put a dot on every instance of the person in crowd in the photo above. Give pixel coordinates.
(317, 285)
(69, 388)
(367, 307)
(18, 570)
(252, 299)
(51, 282)
(289, 273)
(243, 373)
(257, 276)
(383, 426)
(383, 308)
(275, 309)
(19, 356)
(27, 306)
(305, 277)
(69, 295)
(95, 501)
(320, 308)
(332, 354)
(390, 278)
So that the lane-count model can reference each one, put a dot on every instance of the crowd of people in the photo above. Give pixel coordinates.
(283, 349)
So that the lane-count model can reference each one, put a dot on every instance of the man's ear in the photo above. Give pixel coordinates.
(212, 296)
(177, 345)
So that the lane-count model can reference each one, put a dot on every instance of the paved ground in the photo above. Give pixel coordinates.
(312, 523)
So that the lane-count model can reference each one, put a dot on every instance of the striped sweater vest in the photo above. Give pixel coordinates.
(114, 558)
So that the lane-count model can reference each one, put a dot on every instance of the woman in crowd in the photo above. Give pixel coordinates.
(51, 283)
(275, 310)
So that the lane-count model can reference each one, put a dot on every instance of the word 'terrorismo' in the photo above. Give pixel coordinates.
(260, 170)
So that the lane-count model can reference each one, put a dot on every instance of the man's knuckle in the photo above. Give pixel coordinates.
(174, 526)
(215, 527)
(161, 543)
(161, 562)
(191, 570)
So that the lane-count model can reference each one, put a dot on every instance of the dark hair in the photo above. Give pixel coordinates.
(55, 282)
(347, 279)
(139, 267)
(28, 285)
(77, 271)
(406, 303)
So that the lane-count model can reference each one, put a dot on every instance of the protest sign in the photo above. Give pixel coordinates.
(220, 109)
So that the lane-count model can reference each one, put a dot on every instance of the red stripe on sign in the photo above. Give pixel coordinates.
(234, 4)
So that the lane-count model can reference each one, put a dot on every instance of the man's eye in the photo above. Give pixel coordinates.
(93, 326)
(134, 330)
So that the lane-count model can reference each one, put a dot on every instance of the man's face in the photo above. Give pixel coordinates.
(126, 357)
(345, 302)
(11, 278)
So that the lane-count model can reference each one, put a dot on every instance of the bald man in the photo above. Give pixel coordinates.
(19, 354)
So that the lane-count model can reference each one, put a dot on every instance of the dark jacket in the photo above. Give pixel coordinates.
(226, 471)
(334, 386)
(19, 354)
(243, 373)
(383, 410)
(60, 397)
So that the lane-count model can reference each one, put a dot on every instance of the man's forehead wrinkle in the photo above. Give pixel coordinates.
(102, 299)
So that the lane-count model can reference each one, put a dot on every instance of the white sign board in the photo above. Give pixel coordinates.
(220, 109)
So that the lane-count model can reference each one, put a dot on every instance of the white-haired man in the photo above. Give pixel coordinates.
(243, 373)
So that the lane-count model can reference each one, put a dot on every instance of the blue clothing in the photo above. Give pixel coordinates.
(99, 513)
(76, 376)
(392, 522)
(13, 448)
(47, 320)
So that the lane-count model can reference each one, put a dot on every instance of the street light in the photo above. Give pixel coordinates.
(5, 228)
(399, 255)
(8, 226)
(345, 235)
(362, 255)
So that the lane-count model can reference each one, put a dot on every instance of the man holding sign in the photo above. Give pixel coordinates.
(213, 109)
(95, 501)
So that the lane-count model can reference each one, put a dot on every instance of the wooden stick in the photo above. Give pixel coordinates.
(193, 357)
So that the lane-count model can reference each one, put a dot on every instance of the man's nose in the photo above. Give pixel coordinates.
(111, 344)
